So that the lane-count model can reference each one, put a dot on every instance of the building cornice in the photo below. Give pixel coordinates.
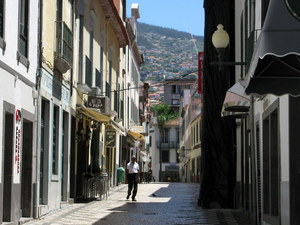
(114, 19)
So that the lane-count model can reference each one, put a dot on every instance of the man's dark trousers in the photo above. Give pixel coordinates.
(132, 183)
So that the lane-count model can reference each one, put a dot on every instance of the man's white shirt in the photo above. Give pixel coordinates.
(133, 167)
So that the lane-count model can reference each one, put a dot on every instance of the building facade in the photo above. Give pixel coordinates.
(54, 110)
(163, 151)
(190, 145)
(18, 104)
(164, 144)
(266, 121)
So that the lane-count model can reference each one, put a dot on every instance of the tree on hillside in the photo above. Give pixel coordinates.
(163, 113)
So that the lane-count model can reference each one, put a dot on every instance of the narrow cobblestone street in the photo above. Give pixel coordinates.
(157, 203)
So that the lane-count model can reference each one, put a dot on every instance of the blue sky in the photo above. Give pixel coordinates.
(182, 15)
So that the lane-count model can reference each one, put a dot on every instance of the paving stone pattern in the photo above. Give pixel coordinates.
(157, 204)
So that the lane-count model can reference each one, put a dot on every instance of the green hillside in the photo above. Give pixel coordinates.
(167, 52)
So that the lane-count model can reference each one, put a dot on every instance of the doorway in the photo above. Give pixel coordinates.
(65, 147)
(26, 184)
(8, 163)
(271, 165)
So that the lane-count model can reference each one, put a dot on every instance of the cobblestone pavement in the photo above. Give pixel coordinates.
(157, 204)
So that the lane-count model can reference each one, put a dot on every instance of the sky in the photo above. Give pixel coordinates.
(182, 15)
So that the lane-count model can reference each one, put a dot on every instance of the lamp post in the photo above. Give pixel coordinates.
(220, 40)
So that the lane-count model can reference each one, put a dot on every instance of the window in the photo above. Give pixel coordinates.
(107, 88)
(98, 79)
(176, 89)
(59, 7)
(264, 9)
(116, 95)
(1, 18)
(101, 65)
(165, 137)
(165, 156)
(116, 100)
(91, 45)
(121, 110)
(88, 71)
(81, 25)
(23, 27)
(55, 140)
(108, 84)
(177, 136)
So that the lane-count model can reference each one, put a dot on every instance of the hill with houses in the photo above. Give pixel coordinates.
(167, 53)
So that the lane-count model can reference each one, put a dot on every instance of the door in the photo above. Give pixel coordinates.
(26, 183)
(8, 163)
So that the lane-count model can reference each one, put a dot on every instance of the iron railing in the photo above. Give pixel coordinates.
(95, 186)
(167, 145)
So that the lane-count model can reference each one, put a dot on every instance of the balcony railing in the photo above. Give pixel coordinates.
(64, 50)
(167, 145)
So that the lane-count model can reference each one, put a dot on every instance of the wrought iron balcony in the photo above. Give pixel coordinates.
(167, 145)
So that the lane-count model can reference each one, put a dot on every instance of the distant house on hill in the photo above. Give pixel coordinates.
(173, 88)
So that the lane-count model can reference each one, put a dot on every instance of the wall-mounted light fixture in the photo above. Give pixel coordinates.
(220, 40)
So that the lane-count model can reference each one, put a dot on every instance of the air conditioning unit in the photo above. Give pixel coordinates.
(95, 91)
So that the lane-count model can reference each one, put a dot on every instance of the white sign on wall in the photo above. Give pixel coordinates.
(17, 147)
(137, 129)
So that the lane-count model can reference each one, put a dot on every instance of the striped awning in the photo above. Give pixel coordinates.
(275, 63)
(94, 114)
(236, 102)
(113, 124)
(136, 136)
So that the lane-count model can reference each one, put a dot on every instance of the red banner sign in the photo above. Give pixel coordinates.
(200, 71)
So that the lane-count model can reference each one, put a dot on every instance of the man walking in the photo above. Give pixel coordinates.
(132, 177)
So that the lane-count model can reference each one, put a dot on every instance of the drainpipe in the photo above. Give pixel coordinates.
(37, 111)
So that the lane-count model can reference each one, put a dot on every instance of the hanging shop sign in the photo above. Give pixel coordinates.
(17, 151)
(99, 103)
(110, 138)
(200, 72)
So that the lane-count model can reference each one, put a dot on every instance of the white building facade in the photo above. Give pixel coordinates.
(18, 69)
(267, 137)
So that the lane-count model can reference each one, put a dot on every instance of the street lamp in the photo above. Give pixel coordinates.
(220, 40)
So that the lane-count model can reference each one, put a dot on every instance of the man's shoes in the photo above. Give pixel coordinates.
(134, 200)
(127, 197)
